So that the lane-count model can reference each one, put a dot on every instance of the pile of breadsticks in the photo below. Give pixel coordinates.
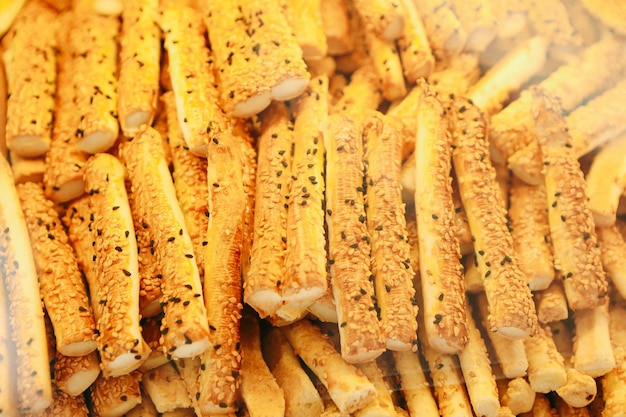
(312, 208)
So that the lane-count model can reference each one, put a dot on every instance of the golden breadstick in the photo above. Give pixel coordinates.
(443, 28)
(63, 405)
(613, 382)
(541, 407)
(612, 254)
(610, 13)
(349, 242)
(546, 367)
(151, 332)
(576, 255)
(166, 388)
(361, 93)
(473, 280)
(385, 57)
(415, 52)
(74, 374)
(8, 394)
(3, 110)
(9, 13)
(383, 18)
(552, 303)
(305, 19)
(305, 260)
(382, 405)
(550, 19)
(60, 279)
(479, 22)
(510, 17)
(593, 352)
(531, 233)
(27, 169)
(390, 256)
(414, 385)
(139, 70)
(336, 25)
(144, 409)
(31, 79)
(184, 327)
(262, 283)
(93, 44)
(516, 394)
(25, 312)
(114, 396)
(456, 76)
(511, 308)
(191, 72)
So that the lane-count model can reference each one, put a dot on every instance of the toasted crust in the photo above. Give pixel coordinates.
(305, 259)
(305, 19)
(551, 303)
(546, 368)
(27, 169)
(25, 313)
(349, 242)
(593, 352)
(612, 382)
(93, 44)
(383, 18)
(443, 28)
(184, 326)
(516, 394)
(336, 25)
(31, 79)
(612, 251)
(60, 279)
(140, 50)
(74, 374)
(576, 255)
(8, 387)
(361, 93)
(415, 51)
(390, 253)
(385, 58)
(114, 396)
(440, 267)
(166, 388)
(415, 387)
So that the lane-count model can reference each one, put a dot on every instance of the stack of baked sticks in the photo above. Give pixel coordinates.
(330, 207)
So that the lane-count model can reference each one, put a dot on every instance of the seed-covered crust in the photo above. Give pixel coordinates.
(362, 92)
(415, 51)
(8, 395)
(383, 18)
(443, 28)
(385, 58)
(593, 351)
(551, 303)
(614, 399)
(546, 368)
(336, 25)
(114, 396)
(305, 19)
(550, 19)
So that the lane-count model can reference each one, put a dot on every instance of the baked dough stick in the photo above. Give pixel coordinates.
(593, 71)
(477, 372)
(415, 387)
(60, 279)
(336, 25)
(361, 93)
(511, 307)
(74, 374)
(191, 73)
(184, 327)
(593, 353)
(166, 388)
(382, 405)
(386, 224)
(508, 75)
(27, 169)
(63, 405)
(349, 247)
(10, 10)
(8, 395)
(189, 176)
(510, 17)
(262, 283)
(479, 22)
(305, 259)
(25, 312)
(439, 264)
(382, 18)
(301, 396)
(349, 389)
(614, 382)
(516, 394)
(590, 126)
(140, 49)
(550, 19)
(415, 52)
(611, 13)
(259, 389)
(576, 254)
(218, 381)
(151, 332)
(551, 303)
(257, 56)
(305, 19)
(531, 233)
(145, 408)
(613, 256)
(606, 181)
(443, 28)
(546, 367)
(93, 43)
(115, 289)
(114, 396)
(30, 63)
(385, 57)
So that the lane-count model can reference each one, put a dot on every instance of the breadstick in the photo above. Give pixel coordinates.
(184, 327)
(305, 19)
(390, 253)
(613, 382)
(541, 407)
(456, 76)
(516, 394)
(510, 17)
(319, 354)
(267, 264)
(166, 388)
(414, 385)
(140, 51)
(479, 22)
(383, 18)
(382, 405)
(63, 405)
(25, 313)
(349, 242)
(612, 251)
(610, 13)
(144, 409)
(508, 75)
(305, 259)
(551, 303)
(550, 19)
(31, 79)
(440, 267)
(336, 25)
(9, 13)
(93, 44)
(444, 31)
(151, 332)
(74, 374)
(531, 233)
(511, 308)
(27, 169)
(573, 237)
(60, 279)
(473, 280)
(114, 396)
(593, 353)
(256, 54)
(8, 384)
(415, 52)
(361, 93)
(546, 368)
(191, 72)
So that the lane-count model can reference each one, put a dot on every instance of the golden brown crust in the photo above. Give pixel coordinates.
(166, 388)
(414, 385)
(184, 327)
(383, 18)
(27, 169)
(115, 396)
(349, 242)
(551, 303)
(415, 52)
(390, 249)
(440, 267)
(385, 58)
(613, 255)
(8, 388)
(64, 405)
(336, 25)
(60, 279)
(614, 400)
(546, 368)
(74, 374)
(30, 79)
(361, 93)
(305, 19)
(25, 313)
(139, 67)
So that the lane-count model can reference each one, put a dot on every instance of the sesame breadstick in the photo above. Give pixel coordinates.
(446, 35)
(531, 233)
(27, 169)
(8, 384)
(60, 279)
(144, 409)
(440, 267)
(551, 303)
(510, 17)
(610, 13)
(267, 263)
(114, 396)
(63, 405)
(361, 93)
(139, 71)
(166, 388)
(576, 255)
(612, 251)
(593, 352)
(550, 19)
(349, 242)
(546, 367)
(336, 25)
(383, 18)
(382, 404)
(305, 19)
(516, 394)
(305, 259)
(385, 58)
(151, 332)
(25, 312)
(414, 385)
(184, 326)
(93, 44)
(74, 374)
(390, 256)
(613, 383)
(478, 20)
(30, 80)
(3, 111)
(116, 283)
(415, 52)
